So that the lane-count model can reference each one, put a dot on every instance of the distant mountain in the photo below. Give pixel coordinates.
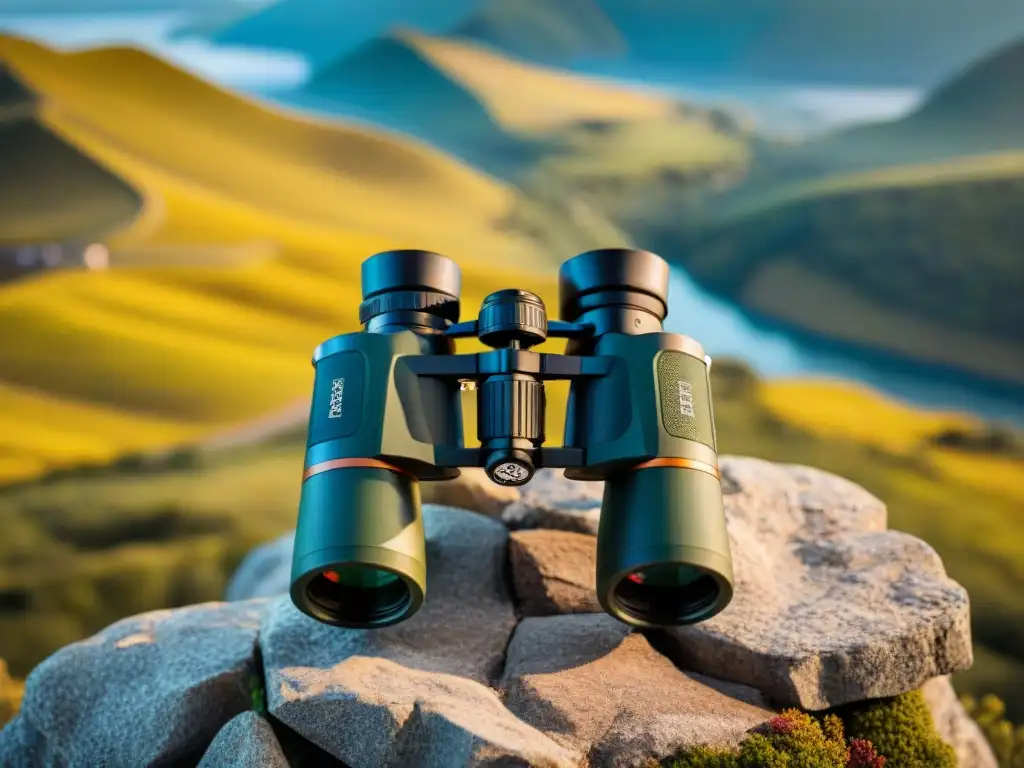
(989, 96)
(544, 30)
(979, 110)
(909, 43)
(325, 30)
(390, 82)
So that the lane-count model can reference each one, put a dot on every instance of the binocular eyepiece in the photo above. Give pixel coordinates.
(387, 414)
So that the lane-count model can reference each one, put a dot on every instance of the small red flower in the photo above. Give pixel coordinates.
(783, 724)
(863, 755)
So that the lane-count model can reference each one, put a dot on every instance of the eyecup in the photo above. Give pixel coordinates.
(410, 270)
(615, 271)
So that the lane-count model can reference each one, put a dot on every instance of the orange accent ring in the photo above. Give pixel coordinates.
(325, 466)
(700, 466)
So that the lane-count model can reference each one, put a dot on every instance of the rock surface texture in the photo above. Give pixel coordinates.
(510, 661)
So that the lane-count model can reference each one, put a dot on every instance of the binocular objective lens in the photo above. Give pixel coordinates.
(667, 594)
(359, 594)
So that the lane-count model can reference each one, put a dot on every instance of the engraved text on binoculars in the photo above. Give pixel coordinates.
(337, 395)
(685, 398)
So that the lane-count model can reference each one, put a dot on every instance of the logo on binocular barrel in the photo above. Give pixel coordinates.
(337, 394)
(510, 473)
(686, 398)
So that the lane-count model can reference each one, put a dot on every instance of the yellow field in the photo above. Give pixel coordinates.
(98, 363)
(841, 410)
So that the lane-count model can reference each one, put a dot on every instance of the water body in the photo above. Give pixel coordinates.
(724, 329)
(777, 351)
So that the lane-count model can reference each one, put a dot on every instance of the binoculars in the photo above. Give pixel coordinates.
(387, 414)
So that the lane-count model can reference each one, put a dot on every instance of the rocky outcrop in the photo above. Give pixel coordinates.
(510, 660)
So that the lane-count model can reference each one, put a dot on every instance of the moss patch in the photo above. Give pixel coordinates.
(896, 732)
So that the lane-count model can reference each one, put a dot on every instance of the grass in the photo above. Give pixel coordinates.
(280, 209)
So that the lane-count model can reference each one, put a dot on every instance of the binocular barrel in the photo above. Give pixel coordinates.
(386, 414)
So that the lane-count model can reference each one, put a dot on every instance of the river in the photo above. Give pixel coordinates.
(777, 351)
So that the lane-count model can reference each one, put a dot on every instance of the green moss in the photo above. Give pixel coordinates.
(900, 728)
(792, 739)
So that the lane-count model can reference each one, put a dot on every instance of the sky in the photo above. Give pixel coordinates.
(265, 71)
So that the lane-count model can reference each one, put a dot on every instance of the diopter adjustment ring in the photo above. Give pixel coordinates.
(431, 302)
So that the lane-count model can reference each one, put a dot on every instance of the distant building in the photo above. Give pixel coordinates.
(18, 261)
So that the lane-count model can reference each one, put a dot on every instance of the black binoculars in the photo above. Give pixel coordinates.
(387, 413)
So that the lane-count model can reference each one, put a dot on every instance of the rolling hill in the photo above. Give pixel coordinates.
(50, 180)
(145, 355)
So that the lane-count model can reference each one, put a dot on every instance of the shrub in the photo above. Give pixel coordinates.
(1006, 740)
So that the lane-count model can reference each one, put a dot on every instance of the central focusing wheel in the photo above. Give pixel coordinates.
(510, 413)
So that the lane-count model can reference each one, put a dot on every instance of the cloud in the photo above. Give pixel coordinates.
(244, 68)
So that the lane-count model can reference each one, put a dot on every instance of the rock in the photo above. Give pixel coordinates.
(830, 608)
(151, 689)
(601, 690)
(265, 571)
(247, 741)
(956, 727)
(472, 490)
(415, 693)
(550, 500)
(553, 572)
